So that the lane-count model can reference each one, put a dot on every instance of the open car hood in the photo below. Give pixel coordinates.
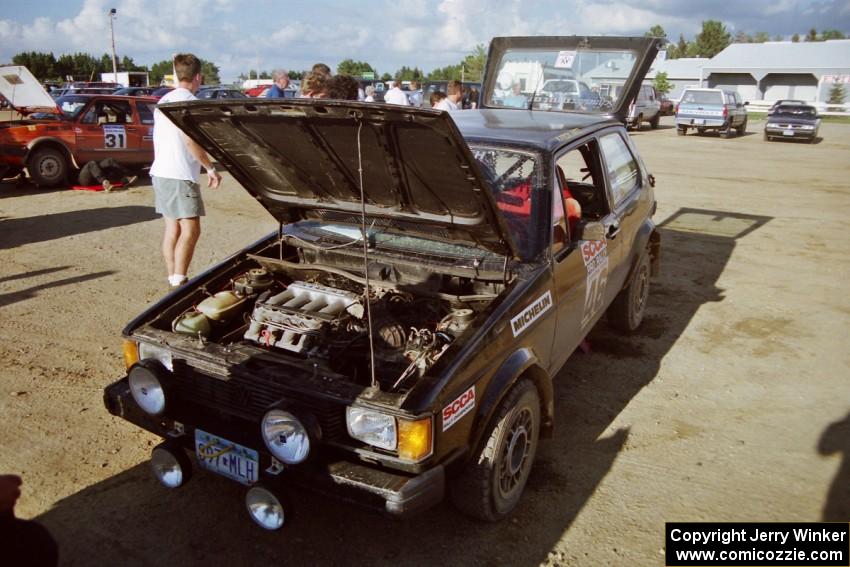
(587, 74)
(24, 92)
(302, 155)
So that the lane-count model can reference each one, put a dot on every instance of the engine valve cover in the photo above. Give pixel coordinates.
(291, 318)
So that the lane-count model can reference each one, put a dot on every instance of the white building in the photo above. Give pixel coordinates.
(780, 70)
(681, 73)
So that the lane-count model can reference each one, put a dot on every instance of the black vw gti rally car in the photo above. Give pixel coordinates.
(395, 341)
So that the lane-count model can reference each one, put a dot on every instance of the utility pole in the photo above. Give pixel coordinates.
(112, 14)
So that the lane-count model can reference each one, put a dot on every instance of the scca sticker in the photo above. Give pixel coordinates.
(595, 256)
(531, 313)
(461, 406)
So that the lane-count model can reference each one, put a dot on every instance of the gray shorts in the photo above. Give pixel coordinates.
(177, 198)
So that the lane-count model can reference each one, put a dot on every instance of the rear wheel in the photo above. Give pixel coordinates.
(654, 122)
(681, 130)
(490, 486)
(700, 130)
(628, 308)
(48, 167)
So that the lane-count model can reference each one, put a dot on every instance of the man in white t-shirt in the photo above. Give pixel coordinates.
(454, 92)
(396, 96)
(175, 175)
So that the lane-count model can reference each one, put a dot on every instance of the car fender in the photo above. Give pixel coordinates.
(32, 145)
(647, 239)
(522, 362)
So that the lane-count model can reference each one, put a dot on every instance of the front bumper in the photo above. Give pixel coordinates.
(374, 487)
(780, 132)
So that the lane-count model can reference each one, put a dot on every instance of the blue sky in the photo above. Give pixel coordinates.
(294, 34)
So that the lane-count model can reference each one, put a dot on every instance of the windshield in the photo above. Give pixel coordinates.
(554, 79)
(513, 177)
(796, 112)
(702, 97)
(71, 106)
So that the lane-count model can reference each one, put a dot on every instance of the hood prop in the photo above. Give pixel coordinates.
(366, 290)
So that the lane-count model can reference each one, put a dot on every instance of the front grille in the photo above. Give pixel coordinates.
(250, 399)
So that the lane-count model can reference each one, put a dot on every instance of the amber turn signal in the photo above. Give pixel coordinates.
(131, 353)
(414, 439)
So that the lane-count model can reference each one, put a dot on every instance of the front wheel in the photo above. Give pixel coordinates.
(742, 129)
(491, 484)
(628, 308)
(681, 130)
(48, 167)
(655, 121)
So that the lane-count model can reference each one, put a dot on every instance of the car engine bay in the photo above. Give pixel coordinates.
(312, 306)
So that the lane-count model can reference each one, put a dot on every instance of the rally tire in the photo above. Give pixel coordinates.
(48, 167)
(628, 308)
(491, 484)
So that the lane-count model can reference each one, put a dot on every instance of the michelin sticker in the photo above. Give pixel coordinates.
(461, 406)
(531, 313)
(595, 256)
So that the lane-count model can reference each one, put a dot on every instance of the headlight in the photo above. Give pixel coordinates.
(371, 427)
(170, 465)
(152, 352)
(285, 436)
(146, 389)
(807, 127)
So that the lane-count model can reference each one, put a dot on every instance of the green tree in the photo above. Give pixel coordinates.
(41, 65)
(473, 64)
(778, 37)
(354, 68)
(761, 37)
(679, 49)
(812, 35)
(386, 77)
(661, 84)
(656, 31)
(837, 94)
(160, 70)
(832, 34)
(296, 75)
(743, 37)
(712, 39)
(795, 38)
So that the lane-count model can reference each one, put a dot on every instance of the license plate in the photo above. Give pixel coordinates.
(699, 121)
(226, 457)
(788, 132)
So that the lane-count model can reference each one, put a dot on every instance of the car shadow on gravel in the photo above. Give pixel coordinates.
(32, 291)
(28, 230)
(129, 519)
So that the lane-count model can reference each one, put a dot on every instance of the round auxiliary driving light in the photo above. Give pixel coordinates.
(146, 388)
(285, 436)
(170, 465)
(265, 508)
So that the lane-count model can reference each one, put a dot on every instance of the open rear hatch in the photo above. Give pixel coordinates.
(24, 92)
(586, 74)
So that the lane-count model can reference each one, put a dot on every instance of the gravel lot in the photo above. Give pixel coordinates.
(731, 404)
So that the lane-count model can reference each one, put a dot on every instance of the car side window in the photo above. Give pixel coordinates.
(578, 177)
(623, 171)
(145, 110)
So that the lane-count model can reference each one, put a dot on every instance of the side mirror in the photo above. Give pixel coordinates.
(746, 103)
(593, 231)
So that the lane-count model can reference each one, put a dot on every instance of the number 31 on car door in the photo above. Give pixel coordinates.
(114, 138)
